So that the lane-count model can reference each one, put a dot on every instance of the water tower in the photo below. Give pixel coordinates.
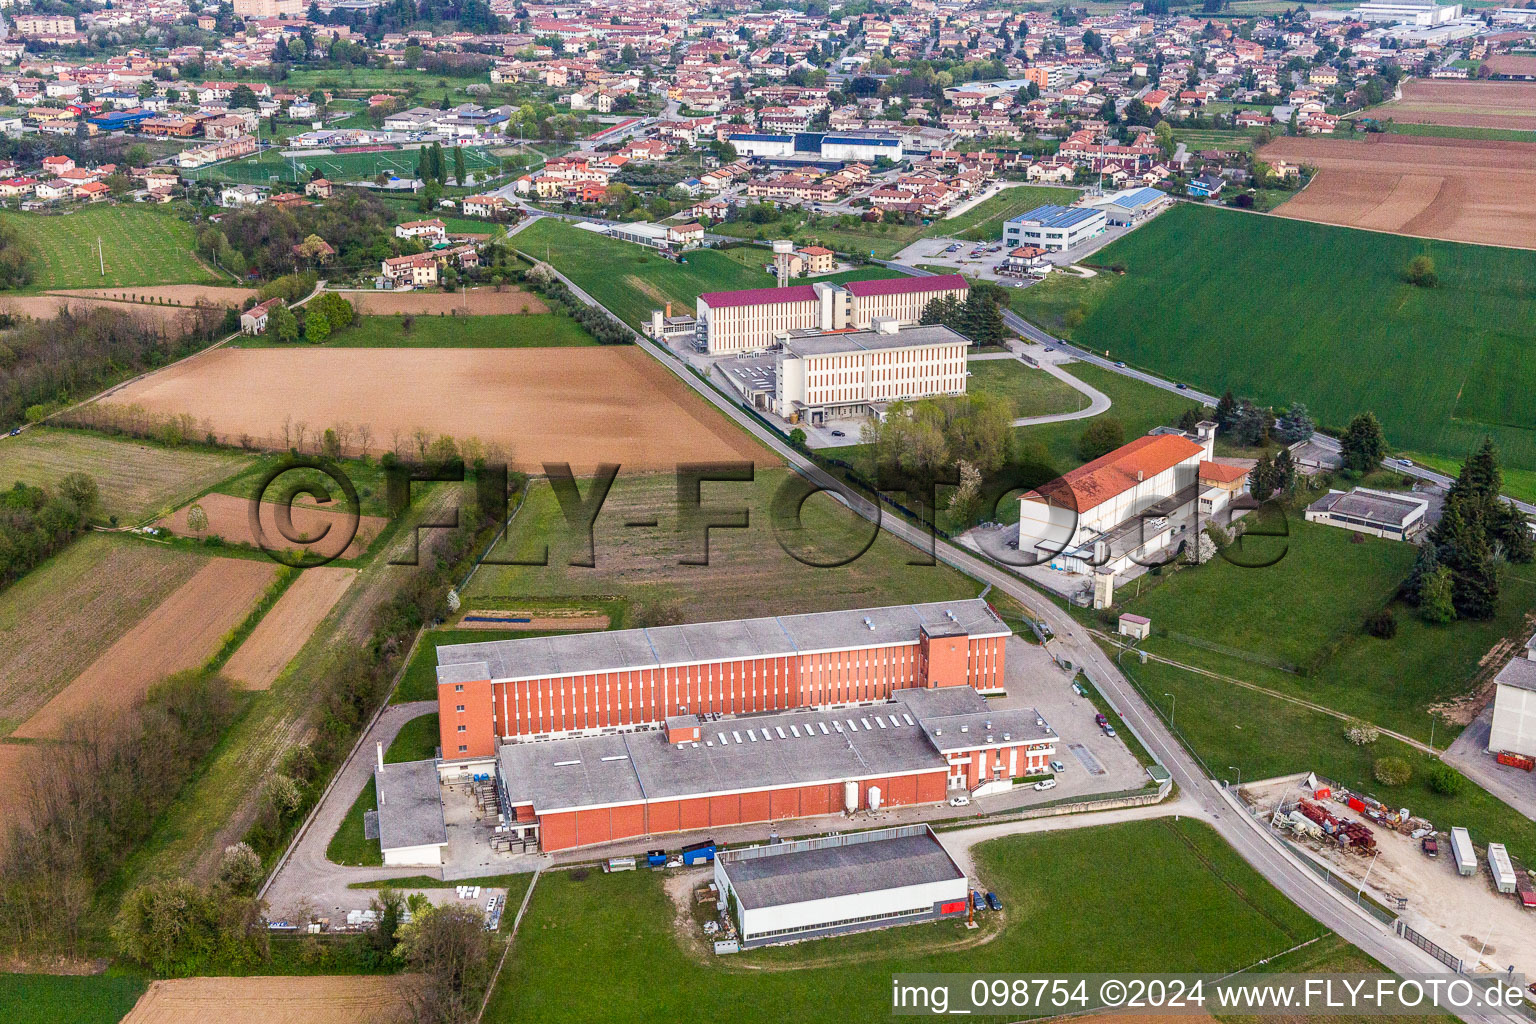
(783, 252)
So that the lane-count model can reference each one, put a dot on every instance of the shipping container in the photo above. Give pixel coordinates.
(699, 853)
(1461, 849)
(1515, 760)
(1499, 866)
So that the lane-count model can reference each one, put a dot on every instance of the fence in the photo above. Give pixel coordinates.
(1428, 945)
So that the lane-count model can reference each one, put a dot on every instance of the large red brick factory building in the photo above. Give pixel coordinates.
(597, 737)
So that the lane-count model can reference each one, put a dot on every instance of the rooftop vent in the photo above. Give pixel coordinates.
(965, 728)
(1006, 737)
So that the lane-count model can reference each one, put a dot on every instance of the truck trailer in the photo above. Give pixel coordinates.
(1461, 849)
(1499, 866)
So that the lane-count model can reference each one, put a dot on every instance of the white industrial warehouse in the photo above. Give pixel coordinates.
(832, 885)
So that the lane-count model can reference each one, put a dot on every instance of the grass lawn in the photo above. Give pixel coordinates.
(1061, 302)
(1267, 737)
(1208, 910)
(416, 741)
(1031, 392)
(502, 330)
(366, 476)
(142, 246)
(984, 221)
(136, 479)
(642, 564)
(78, 999)
(629, 279)
(1346, 334)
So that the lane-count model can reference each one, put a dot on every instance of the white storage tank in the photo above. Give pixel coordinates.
(851, 796)
(874, 800)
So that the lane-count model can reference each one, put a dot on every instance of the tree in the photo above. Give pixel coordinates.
(459, 174)
(1261, 482)
(1363, 444)
(1226, 411)
(1444, 779)
(1421, 271)
(449, 949)
(1392, 771)
(80, 491)
(240, 868)
(317, 326)
(197, 518)
(136, 155)
(797, 438)
(243, 96)
(1296, 426)
(1103, 436)
(282, 325)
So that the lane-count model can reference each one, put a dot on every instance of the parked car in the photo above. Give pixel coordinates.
(976, 900)
(959, 800)
(13, 433)
(1045, 784)
(1058, 767)
(993, 901)
(1099, 720)
(1109, 731)
(1078, 690)
(838, 433)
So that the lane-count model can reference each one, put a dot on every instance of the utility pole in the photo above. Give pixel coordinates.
(101, 256)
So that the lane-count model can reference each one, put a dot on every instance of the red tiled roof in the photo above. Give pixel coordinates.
(907, 285)
(759, 296)
(1091, 485)
(1220, 472)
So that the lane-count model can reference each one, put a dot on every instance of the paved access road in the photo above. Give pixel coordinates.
(1213, 802)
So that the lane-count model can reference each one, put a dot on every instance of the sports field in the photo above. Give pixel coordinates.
(1457, 189)
(259, 169)
(1440, 367)
(582, 405)
(629, 279)
(135, 479)
(141, 245)
(1212, 913)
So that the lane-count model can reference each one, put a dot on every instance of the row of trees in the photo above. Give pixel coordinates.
(1456, 574)
(35, 522)
(315, 321)
(979, 317)
(95, 796)
(16, 267)
(355, 223)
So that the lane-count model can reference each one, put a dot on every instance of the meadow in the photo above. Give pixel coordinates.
(78, 999)
(1212, 913)
(630, 279)
(141, 246)
(1029, 392)
(1284, 310)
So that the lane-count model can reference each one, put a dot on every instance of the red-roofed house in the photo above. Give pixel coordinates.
(1118, 507)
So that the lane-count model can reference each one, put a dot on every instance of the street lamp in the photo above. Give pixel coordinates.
(1361, 891)
(1174, 709)
(1239, 775)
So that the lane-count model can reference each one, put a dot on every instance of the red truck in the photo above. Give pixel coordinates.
(1524, 891)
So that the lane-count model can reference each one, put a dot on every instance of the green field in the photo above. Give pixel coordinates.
(136, 479)
(984, 221)
(1265, 737)
(1283, 310)
(1030, 392)
(509, 330)
(72, 998)
(1455, 131)
(629, 279)
(1296, 627)
(1061, 302)
(1211, 911)
(344, 166)
(141, 245)
(642, 564)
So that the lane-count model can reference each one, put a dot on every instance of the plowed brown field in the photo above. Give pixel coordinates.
(577, 405)
(472, 302)
(1468, 104)
(181, 633)
(230, 517)
(1462, 191)
(287, 626)
(273, 1000)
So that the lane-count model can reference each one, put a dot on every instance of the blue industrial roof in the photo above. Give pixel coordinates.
(863, 140)
(1138, 197)
(762, 137)
(1055, 216)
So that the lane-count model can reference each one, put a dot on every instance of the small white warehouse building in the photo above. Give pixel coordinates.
(832, 885)
(412, 832)
(1514, 705)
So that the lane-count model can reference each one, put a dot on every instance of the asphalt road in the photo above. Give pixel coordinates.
(1252, 839)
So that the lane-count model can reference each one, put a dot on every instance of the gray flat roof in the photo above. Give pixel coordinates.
(410, 805)
(1388, 510)
(815, 874)
(757, 752)
(658, 646)
(870, 341)
(1520, 673)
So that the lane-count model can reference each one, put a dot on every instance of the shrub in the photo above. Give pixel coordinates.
(1392, 771)
(1103, 436)
(1361, 734)
(1382, 624)
(1421, 272)
(1444, 779)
